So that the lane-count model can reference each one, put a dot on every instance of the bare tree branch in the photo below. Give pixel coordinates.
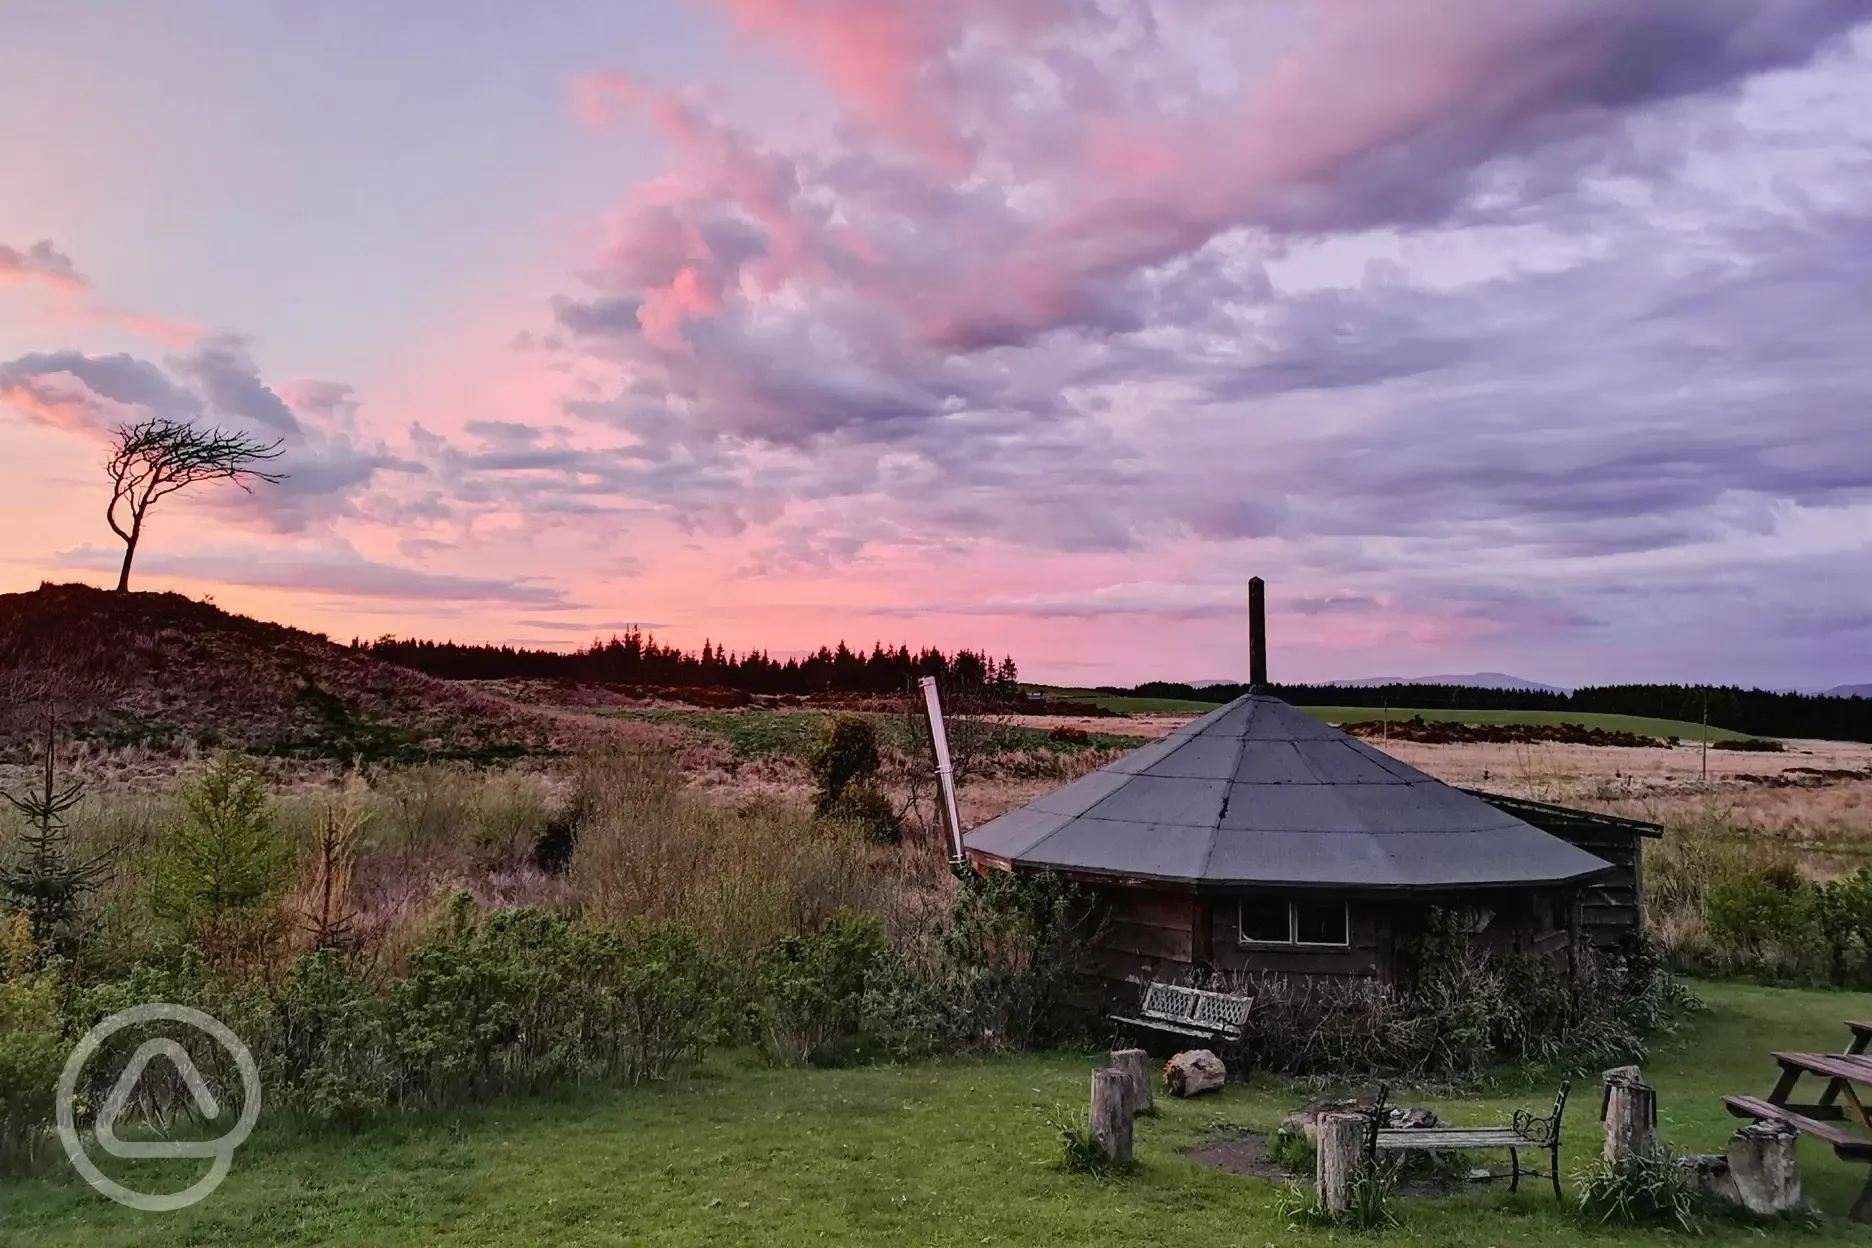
(154, 458)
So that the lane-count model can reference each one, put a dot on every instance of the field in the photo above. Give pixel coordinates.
(955, 1152)
(1642, 725)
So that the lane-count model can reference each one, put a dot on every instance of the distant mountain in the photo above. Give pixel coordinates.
(1474, 680)
(1851, 691)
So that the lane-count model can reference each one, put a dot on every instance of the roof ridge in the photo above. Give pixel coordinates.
(1228, 786)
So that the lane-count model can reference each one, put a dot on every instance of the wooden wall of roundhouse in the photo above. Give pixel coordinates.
(1149, 933)
(1612, 904)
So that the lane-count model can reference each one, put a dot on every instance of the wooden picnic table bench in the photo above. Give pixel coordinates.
(1862, 1035)
(1191, 1012)
(1525, 1131)
(1826, 1118)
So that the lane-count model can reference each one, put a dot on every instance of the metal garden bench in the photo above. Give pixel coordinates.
(1525, 1131)
(1191, 1012)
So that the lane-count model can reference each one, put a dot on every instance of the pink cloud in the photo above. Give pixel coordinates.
(42, 263)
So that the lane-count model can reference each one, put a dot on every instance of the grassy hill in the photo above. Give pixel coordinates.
(167, 673)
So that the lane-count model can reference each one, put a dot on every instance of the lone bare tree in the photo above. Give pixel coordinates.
(154, 458)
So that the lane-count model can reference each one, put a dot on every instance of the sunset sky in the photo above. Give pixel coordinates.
(1529, 336)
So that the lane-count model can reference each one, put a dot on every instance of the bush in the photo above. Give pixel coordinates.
(845, 764)
(1466, 1010)
(32, 1048)
(223, 864)
(522, 1001)
(1768, 923)
(1008, 971)
(811, 987)
(868, 810)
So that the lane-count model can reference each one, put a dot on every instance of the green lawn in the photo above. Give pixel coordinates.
(1640, 724)
(947, 1153)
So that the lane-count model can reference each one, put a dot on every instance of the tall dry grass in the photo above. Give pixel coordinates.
(743, 875)
(379, 853)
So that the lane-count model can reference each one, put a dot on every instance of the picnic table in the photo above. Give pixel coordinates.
(1828, 1117)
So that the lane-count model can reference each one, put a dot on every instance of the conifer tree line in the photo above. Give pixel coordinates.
(636, 658)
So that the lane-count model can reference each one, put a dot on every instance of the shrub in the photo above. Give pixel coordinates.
(847, 754)
(1766, 922)
(868, 810)
(811, 987)
(224, 863)
(32, 1048)
(1007, 971)
(521, 1001)
(43, 878)
(1466, 1010)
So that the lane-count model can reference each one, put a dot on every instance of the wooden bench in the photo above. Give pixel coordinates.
(1191, 1012)
(1525, 1131)
(1831, 1118)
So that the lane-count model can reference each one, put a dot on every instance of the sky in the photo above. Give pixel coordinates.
(1525, 338)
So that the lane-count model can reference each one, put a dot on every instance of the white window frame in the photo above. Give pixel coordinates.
(1293, 930)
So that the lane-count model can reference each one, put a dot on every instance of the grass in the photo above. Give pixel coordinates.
(1689, 733)
(1132, 706)
(756, 734)
(1641, 724)
(944, 1153)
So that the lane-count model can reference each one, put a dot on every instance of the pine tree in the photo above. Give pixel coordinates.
(42, 880)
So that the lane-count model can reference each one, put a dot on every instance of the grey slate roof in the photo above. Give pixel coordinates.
(1258, 792)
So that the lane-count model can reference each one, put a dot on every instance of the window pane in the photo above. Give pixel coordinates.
(1320, 922)
(1264, 919)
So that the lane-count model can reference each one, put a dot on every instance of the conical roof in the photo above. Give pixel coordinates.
(1259, 793)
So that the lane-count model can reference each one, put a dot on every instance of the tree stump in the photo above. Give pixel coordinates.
(1135, 1064)
(1109, 1122)
(1764, 1165)
(1630, 1115)
(1198, 1070)
(1336, 1162)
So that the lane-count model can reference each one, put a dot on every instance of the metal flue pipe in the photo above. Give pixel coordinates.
(945, 774)
(1257, 634)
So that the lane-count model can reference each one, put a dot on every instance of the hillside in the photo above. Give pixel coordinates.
(164, 672)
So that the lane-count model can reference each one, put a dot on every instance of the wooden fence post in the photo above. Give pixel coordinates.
(1136, 1065)
(1109, 1122)
(1630, 1115)
(1764, 1164)
(1338, 1159)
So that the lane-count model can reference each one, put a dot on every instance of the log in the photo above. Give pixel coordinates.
(1135, 1064)
(1197, 1070)
(1764, 1165)
(1630, 1115)
(1336, 1163)
(1109, 1121)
